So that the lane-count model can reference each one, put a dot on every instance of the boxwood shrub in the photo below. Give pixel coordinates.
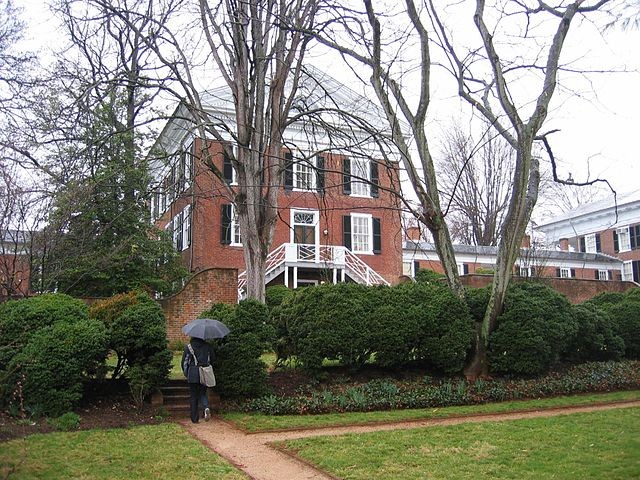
(624, 310)
(238, 366)
(534, 331)
(595, 339)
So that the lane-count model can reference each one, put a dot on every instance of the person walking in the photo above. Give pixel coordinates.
(197, 392)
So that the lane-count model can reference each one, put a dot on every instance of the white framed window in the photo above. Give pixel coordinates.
(360, 177)
(186, 227)
(603, 275)
(565, 272)
(526, 272)
(590, 243)
(624, 242)
(627, 271)
(361, 233)
(236, 238)
(304, 174)
(407, 269)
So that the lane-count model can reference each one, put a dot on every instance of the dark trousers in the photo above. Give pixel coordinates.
(197, 400)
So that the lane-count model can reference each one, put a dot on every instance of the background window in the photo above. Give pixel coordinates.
(360, 177)
(361, 233)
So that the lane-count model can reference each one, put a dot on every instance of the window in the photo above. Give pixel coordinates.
(565, 273)
(230, 227)
(627, 271)
(621, 240)
(591, 243)
(360, 177)
(463, 268)
(304, 175)
(186, 227)
(228, 172)
(362, 233)
(526, 272)
(634, 233)
(603, 275)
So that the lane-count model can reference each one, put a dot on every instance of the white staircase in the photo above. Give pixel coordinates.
(315, 256)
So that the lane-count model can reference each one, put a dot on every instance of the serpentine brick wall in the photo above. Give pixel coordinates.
(214, 285)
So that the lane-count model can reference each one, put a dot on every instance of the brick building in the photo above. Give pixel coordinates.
(609, 227)
(338, 219)
(15, 265)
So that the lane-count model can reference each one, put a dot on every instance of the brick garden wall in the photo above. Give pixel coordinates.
(576, 290)
(214, 285)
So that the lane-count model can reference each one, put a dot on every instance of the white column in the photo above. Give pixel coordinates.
(295, 277)
(342, 275)
(286, 277)
(335, 275)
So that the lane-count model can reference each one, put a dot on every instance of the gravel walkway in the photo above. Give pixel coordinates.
(253, 454)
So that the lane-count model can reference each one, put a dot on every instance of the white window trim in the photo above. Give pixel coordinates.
(623, 232)
(528, 271)
(186, 227)
(310, 164)
(369, 218)
(565, 272)
(316, 220)
(590, 245)
(603, 273)
(627, 271)
(235, 227)
(355, 177)
(234, 174)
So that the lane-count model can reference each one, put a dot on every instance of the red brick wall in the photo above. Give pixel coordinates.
(215, 285)
(576, 290)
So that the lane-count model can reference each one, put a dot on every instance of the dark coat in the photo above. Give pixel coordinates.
(203, 352)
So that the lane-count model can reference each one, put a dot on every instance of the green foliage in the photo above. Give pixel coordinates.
(395, 326)
(624, 310)
(21, 319)
(65, 422)
(595, 339)
(54, 363)
(396, 394)
(136, 330)
(424, 275)
(477, 301)
(276, 294)
(535, 329)
(238, 367)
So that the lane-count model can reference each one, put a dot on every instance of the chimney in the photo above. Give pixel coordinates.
(526, 241)
(413, 233)
(564, 244)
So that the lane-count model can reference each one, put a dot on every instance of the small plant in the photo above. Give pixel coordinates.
(65, 422)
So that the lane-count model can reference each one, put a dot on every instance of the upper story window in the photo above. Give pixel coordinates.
(566, 272)
(180, 227)
(228, 171)
(634, 237)
(230, 227)
(621, 240)
(603, 275)
(590, 243)
(304, 173)
(360, 177)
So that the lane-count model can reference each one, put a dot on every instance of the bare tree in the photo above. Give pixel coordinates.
(474, 179)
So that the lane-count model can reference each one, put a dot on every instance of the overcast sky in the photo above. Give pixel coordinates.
(599, 119)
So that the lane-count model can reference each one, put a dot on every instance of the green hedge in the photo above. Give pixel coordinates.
(534, 331)
(624, 310)
(391, 326)
(238, 366)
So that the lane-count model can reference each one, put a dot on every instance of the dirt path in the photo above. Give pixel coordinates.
(253, 454)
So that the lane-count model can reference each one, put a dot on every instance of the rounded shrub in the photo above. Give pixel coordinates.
(595, 339)
(51, 367)
(535, 329)
(21, 319)
(624, 311)
(240, 372)
(331, 321)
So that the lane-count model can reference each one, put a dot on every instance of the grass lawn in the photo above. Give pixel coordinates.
(598, 445)
(150, 452)
(260, 422)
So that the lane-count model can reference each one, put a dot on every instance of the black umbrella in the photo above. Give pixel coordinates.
(205, 328)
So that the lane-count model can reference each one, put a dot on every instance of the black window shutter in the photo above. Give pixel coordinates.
(179, 228)
(375, 179)
(288, 171)
(635, 266)
(632, 238)
(616, 245)
(416, 266)
(597, 272)
(573, 273)
(346, 176)
(465, 269)
(225, 234)
(227, 168)
(558, 274)
(598, 244)
(583, 245)
(377, 236)
(320, 174)
(346, 231)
